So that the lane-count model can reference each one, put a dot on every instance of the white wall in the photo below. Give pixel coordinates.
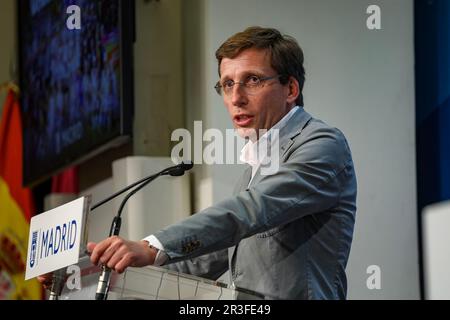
(358, 80)
(436, 259)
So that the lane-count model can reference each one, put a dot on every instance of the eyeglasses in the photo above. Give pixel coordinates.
(251, 84)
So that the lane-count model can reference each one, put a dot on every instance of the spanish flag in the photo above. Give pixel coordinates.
(16, 209)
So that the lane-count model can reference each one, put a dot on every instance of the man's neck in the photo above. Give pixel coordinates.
(278, 125)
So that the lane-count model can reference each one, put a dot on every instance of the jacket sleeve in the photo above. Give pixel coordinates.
(210, 266)
(309, 181)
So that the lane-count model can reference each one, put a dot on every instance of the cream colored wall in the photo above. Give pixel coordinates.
(8, 43)
(159, 79)
(195, 91)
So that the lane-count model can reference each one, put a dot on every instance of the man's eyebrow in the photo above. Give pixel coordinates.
(253, 73)
(225, 78)
(245, 74)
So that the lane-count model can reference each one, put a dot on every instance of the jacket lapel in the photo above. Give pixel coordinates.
(243, 181)
(292, 129)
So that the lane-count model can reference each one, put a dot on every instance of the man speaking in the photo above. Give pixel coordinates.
(285, 235)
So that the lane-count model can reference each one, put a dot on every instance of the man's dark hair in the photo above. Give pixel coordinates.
(286, 55)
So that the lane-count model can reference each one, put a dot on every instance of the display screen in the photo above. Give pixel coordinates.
(72, 76)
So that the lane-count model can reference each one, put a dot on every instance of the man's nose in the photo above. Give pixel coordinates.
(238, 95)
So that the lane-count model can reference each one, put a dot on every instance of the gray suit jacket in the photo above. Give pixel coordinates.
(287, 235)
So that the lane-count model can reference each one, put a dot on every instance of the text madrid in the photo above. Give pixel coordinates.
(57, 239)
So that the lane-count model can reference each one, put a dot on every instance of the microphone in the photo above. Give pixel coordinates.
(105, 276)
(181, 169)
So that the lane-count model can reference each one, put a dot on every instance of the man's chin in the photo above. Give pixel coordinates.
(247, 133)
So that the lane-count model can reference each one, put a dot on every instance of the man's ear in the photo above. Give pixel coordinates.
(294, 90)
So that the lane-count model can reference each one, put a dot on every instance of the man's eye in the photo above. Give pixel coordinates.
(252, 80)
(228, 84)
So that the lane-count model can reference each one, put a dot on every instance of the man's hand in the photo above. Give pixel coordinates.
(118, 254)
(46, 280)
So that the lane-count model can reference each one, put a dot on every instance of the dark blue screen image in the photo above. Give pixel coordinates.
(70, 81)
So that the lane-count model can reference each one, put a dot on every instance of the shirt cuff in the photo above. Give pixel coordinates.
(161, 256)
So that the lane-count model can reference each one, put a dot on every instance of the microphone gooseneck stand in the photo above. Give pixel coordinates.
(58, 281)
(105, 276)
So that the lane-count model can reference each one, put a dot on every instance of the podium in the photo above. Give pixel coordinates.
(80, 281)
(147, 283)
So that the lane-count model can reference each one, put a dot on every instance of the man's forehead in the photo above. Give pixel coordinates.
(249, 57)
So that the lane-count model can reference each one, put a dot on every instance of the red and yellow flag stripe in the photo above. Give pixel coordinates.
(16, 209)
